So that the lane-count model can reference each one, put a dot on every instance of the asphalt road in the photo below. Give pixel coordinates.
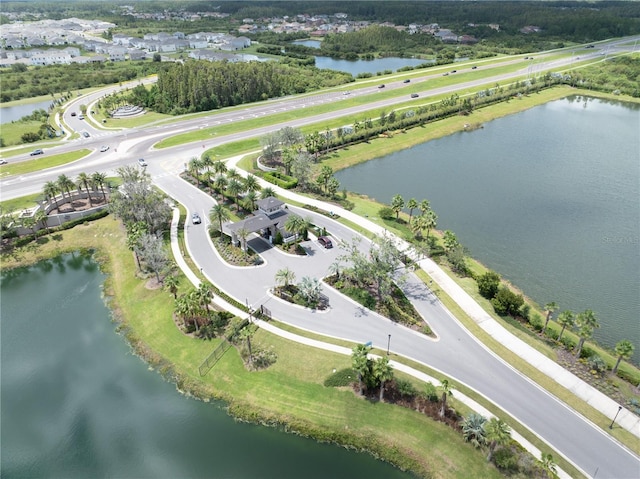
(454, 352)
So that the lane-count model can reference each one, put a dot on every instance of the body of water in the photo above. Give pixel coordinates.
(13, 113)
(355, 67)
(76, 403)
(308, 43)
(549, 198)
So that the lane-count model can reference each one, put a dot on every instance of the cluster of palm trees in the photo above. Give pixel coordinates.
(308, 289)
(426, 221)
(227, 181)
(83, 181)
(192, 307)
(370, 372)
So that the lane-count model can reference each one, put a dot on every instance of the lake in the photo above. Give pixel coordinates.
(13, 113)
(77, 403)
(549, 198)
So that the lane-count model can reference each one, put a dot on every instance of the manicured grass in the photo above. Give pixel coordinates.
(41, 162)
(21, 203)
(290, 392)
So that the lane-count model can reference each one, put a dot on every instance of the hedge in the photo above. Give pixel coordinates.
(281, 180)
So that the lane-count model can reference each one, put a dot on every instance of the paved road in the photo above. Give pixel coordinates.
(454, 352)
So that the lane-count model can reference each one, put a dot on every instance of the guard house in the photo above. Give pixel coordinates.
(269, 218)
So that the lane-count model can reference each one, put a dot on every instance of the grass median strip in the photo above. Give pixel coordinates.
(41, 163)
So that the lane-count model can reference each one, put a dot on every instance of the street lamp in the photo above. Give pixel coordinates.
(614, 417)
(388, 343)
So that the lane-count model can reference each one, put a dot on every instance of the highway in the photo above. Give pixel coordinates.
(454, 352)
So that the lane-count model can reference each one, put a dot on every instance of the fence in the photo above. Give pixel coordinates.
(222, 348)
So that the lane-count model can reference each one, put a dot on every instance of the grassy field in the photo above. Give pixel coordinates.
(41, 162)
(290, 392)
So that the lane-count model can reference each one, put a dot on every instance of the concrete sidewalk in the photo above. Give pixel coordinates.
(473, 405)
(605, 405)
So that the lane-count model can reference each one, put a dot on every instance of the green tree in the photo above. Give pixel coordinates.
(285, 277)
(267, 192)
(548, 465)
(246, 333)
(220, 184)
(497, 432)
(297, 225)
(50, 191)
(624, 349)
(65, 184)
(586, 323)
(243, 234)
(98, 180)
(383, 372)
(488, 284)
(450, 240)
(204, 293)
(251, 183)
(326, 173)
(40, 217)
(445, 387)
(565, 319)
(424, 206)
(333, 185)
(135, 231)
(195, 164)
(234, 188)
(412, 204)
(549, 308)
(473, 430)
(218, 215)
(171, 284)
(310, 290)
(397, 203)
(360, 364)
(84, 180)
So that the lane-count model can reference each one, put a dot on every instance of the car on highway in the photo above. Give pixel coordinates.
(81, 117)
(86, 134)
(3, 161)
(407, 81)
(414, 95)
(325, 242)
(73, 113)
(445, 74)
(474, 67)
(195, 219)
(37, 152)
(454, 71)
(141, 162)
(347, 93)
(381, 86)
(104, 148)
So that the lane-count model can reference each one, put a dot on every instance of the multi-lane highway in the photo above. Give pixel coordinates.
(455, 352)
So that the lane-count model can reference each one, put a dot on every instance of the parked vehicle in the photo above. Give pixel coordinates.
(325, 242)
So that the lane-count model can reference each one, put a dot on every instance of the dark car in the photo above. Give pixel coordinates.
(414, 95)
(381, 86)
(407, 81)
(73, 113)
(474, 67)
(36, 152)
(453, 71)
(325, 241)
(86, 134)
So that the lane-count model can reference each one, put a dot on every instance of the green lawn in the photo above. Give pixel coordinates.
(41, 162)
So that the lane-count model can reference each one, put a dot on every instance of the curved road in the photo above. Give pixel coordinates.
(455, 352)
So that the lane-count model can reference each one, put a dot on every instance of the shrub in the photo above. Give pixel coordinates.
(507, 302)
(551, 333)
(386, 213)
(281, 180)
(567, 342)
(405, 387)
(505, 459)
(586, 352)
(488, 284)
(596, 363)
(431, 392)
(341, 378)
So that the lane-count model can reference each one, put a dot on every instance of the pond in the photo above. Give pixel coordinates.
(13, 113)
(548, 198)
(77, 403)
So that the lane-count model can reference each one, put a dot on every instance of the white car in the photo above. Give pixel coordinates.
(195, 218)
(141, 162)
(104, 148)
(3, 162)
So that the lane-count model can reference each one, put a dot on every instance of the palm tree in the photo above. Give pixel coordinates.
(219, 167)
(383, 371)
(547, 464)
(84, 180)
(334, 268)
(251, 183)
(181, 308)
(171, 283)
(310, 289)
(296, 224)
(219, 214)
(243, 234)
(65, 184)
(50, 190)
(418, 225)
(285, 277)
(41, 217)
(234, 188)
(412, 204)
(99, 179)
(565, 319)
(431, 221)
(194, 168)
(245, 333)
(29, 222)
(207, 163)
(233, 174)
(497, 432)
(135, 231)
(446, 392)
(194, 307)
(250, 200)
(624, 349)
(473, 429)
(220, 184)
(549, 308)
(424, 206)
(397, 203)
(266, 192)
(360, 363)
(205, 296)
(586, 322)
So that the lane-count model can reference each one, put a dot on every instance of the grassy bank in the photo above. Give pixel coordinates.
(290, 394)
